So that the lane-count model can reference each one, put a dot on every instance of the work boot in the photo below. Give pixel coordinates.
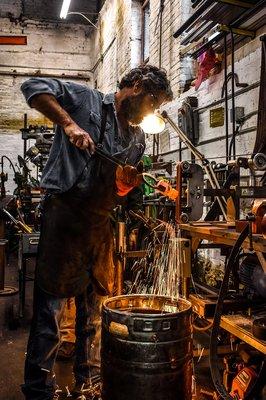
(90, 390)
(66, 351)
(58, 394)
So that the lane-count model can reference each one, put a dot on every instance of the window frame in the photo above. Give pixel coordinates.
(145, 4)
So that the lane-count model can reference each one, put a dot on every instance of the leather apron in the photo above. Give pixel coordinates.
(76, 240)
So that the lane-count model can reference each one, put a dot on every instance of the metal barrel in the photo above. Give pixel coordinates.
(146, 348)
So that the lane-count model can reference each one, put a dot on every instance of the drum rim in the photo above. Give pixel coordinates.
(185, 302)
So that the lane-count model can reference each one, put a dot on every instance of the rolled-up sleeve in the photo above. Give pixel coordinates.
(68, 94)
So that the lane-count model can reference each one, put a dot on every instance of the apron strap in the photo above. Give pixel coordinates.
(103, 124)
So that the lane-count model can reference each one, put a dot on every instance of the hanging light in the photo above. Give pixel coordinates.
(65, 8)
(153, 124)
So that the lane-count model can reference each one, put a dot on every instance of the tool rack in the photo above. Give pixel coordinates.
(221, 24)
(222, 17)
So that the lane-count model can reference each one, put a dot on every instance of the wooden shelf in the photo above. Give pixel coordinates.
(222, 234)
(241, 327)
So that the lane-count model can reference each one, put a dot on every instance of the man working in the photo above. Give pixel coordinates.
(75, 248)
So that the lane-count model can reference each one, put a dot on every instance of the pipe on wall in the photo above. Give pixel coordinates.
(45, 75)
(86, 71)
(212, 140)
(238, 93)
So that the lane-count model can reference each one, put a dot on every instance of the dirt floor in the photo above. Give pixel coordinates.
(13, 339)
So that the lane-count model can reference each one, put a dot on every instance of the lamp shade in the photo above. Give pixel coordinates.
(153, 124)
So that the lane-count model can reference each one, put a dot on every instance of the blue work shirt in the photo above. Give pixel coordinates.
(67, 165)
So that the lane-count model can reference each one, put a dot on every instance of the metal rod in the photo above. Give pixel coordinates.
(2, 263)
(237, 31)
(238, 93)
(101, 58)
(180, 151)
(183, 137)
(25, 140)
(233, 95)
(84, 16)
(46, 68)
(113, 160)
(206, 288)
(242, 4)
(161, 32)
(214, 140)
(18, 223)
(194, 36)
(206, 165)
(226, 99)
(215, 185)
(205, 46)
(121, 249)
(45, 75)
(156, 138)
(193, 18)
(235, 24)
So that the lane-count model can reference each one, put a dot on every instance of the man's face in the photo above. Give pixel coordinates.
(136, 106)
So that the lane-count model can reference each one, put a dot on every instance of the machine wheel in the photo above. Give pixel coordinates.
(184, 218)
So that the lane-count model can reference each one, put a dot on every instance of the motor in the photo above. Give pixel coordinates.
(252, 276)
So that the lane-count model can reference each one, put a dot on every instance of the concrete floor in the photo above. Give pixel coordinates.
(14, 334)
(13, 340)
(12, 354)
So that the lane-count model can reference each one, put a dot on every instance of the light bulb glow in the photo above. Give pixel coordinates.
(65, 8)
(153, 124)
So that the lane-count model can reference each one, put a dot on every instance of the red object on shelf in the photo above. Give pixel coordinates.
(207, 62)
(13, 40)
(242, 383)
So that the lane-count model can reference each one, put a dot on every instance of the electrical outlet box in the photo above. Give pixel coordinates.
(188, 119)
(239, 113)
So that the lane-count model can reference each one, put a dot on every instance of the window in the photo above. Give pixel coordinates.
(145, 35)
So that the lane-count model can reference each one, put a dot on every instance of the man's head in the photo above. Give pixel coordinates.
(143, 90)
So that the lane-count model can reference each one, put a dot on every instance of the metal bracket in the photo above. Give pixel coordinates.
(239, 3)
(237, 31)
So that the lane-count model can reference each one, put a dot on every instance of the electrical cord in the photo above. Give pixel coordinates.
(241, 122)
(202, 328)
(214, 360)
(11, 163)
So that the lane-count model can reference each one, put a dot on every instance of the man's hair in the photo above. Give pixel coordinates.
(152, 79)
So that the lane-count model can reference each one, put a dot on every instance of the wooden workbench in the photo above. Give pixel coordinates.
(220, 233)
(241, 327)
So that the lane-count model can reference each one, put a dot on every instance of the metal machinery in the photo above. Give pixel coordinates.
(233, 311)
(19, 212)
(241, 303)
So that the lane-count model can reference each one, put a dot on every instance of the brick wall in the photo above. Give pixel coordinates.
(180, 69)
(174, 13)
(53, 50)
(247, 66)
(112, 41)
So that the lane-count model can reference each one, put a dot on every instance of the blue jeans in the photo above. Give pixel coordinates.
(44, 341)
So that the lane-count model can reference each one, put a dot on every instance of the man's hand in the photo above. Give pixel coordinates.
(79, 137)
(49, 106)
(127, 177)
